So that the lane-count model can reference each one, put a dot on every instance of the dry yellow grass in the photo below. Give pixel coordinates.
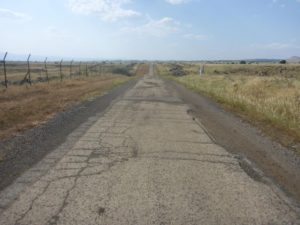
(270, 101)
(24, 107)
(282, 70)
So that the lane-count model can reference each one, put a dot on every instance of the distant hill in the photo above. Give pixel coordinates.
(294, 59)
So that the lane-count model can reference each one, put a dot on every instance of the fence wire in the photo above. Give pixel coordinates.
(29, 72)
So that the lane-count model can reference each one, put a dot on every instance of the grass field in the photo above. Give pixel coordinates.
(267, 95)
(23, 107)
(287, 70)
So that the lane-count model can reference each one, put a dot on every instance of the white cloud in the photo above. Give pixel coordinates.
(9, 14)
(108, 10)
(199, 37)
(158, 28)
(177, 2)
(281, 2)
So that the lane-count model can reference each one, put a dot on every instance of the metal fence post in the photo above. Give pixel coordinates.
(28, 69)
(60, 70)
(27, 77)
(46, 70)
(79, 68)
(71, 68)
(86, 70)
(4, 67)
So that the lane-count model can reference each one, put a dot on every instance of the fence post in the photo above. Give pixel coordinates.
(4, 66)
(79, 68)
(201, 71)
(86, 70)
(28, 69)
(46, 70)
(71, 68)
(60, 70)
(27, 77)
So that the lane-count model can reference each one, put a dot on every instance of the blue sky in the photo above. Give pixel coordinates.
(156, 29)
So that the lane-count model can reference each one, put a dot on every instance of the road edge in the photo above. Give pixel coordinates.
(27, 149)
(279, 164)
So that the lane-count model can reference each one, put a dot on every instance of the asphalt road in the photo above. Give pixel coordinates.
(145, 161)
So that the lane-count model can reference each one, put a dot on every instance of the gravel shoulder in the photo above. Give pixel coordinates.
(28, 148)
(278, 163)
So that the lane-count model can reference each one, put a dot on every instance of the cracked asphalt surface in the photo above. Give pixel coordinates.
(144, 161)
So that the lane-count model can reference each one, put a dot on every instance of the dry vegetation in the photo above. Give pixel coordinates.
(268, 95)
(23, 107)
(288, 70)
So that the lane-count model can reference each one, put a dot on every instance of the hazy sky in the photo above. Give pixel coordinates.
(152, 29)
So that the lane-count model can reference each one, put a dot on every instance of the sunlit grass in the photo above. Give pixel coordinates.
(23, 107)
(272, 100)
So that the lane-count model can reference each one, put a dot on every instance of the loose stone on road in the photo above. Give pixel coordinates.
(147, 161)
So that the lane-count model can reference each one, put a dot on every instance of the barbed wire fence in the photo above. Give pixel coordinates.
(29, 72)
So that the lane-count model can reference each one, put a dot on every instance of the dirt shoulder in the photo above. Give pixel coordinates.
(23, 151)
(239, 137)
